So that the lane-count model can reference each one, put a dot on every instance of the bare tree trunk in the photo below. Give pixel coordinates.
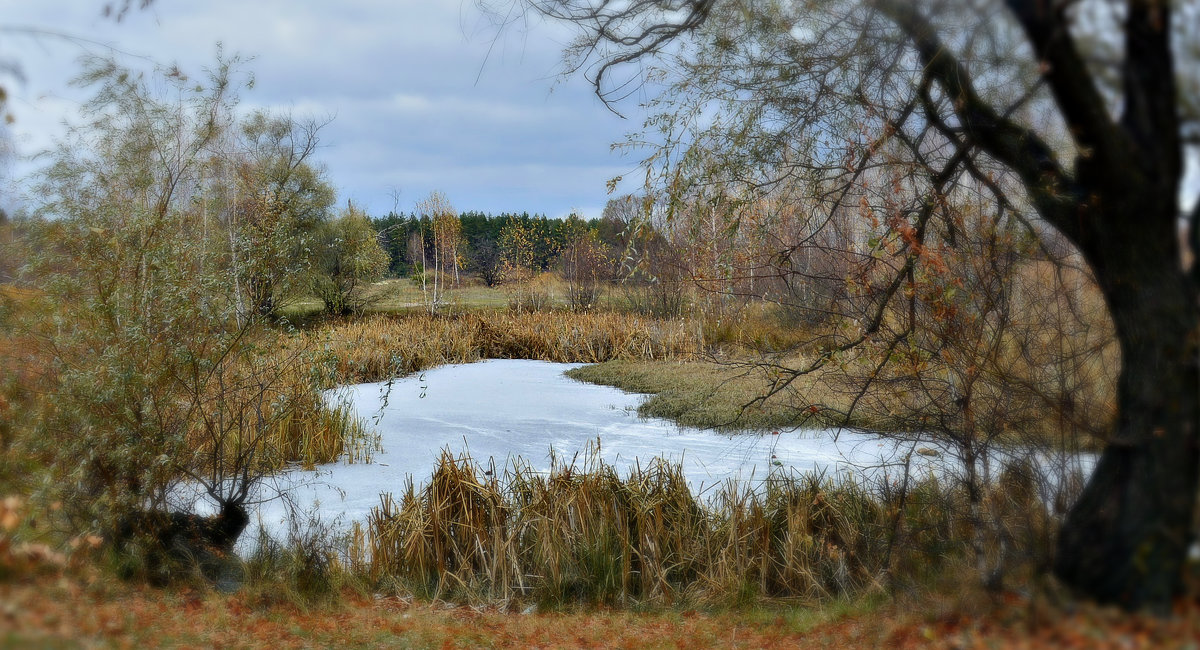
(424, 274)
(1125, 541)
(240, 310)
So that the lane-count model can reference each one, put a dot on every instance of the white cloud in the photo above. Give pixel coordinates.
(426, 95)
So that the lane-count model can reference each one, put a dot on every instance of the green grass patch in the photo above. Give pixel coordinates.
(720, 396)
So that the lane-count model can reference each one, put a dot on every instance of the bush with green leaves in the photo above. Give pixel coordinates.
(348, 258)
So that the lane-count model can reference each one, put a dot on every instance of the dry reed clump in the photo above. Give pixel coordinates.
(570, 535)
(796, 536)
(382, 347)
(267, 411)
(320, 428)
(762, 328)
(311, 431)
(585, 534)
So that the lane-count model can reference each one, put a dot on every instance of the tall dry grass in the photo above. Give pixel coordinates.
(297, 422)
(306, 429)
(381, 347)
(311, 431)
(583, 533)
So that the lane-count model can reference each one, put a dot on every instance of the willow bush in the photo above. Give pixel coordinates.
(161, 370)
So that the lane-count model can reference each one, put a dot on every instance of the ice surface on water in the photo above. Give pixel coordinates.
(506, 408)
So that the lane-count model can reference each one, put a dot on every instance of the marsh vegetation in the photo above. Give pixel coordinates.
(185, 302)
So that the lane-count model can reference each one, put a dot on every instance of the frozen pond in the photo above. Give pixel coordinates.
(502, 408)
(506, 408)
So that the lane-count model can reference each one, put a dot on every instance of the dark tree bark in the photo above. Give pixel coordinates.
(171, 542)
(1126, 539)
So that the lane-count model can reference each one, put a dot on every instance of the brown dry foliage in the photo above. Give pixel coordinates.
(582, 533)
(382, 347)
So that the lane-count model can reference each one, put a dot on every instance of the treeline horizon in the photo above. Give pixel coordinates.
(481, 232)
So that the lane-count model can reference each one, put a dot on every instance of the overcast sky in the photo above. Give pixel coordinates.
(423, 94)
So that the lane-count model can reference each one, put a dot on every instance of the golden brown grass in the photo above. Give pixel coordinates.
(73, 609)
(301, 425)
(726, 396)
(54, 599)
(269, 398)
(311, 432)
(582, 533)
(381, 347)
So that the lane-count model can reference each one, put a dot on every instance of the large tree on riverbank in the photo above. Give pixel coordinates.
(1072, 116)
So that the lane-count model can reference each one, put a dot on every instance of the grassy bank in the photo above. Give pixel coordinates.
(72, 612)
(735, 395)
(381, 347)
(726, 396)
(469, 294)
